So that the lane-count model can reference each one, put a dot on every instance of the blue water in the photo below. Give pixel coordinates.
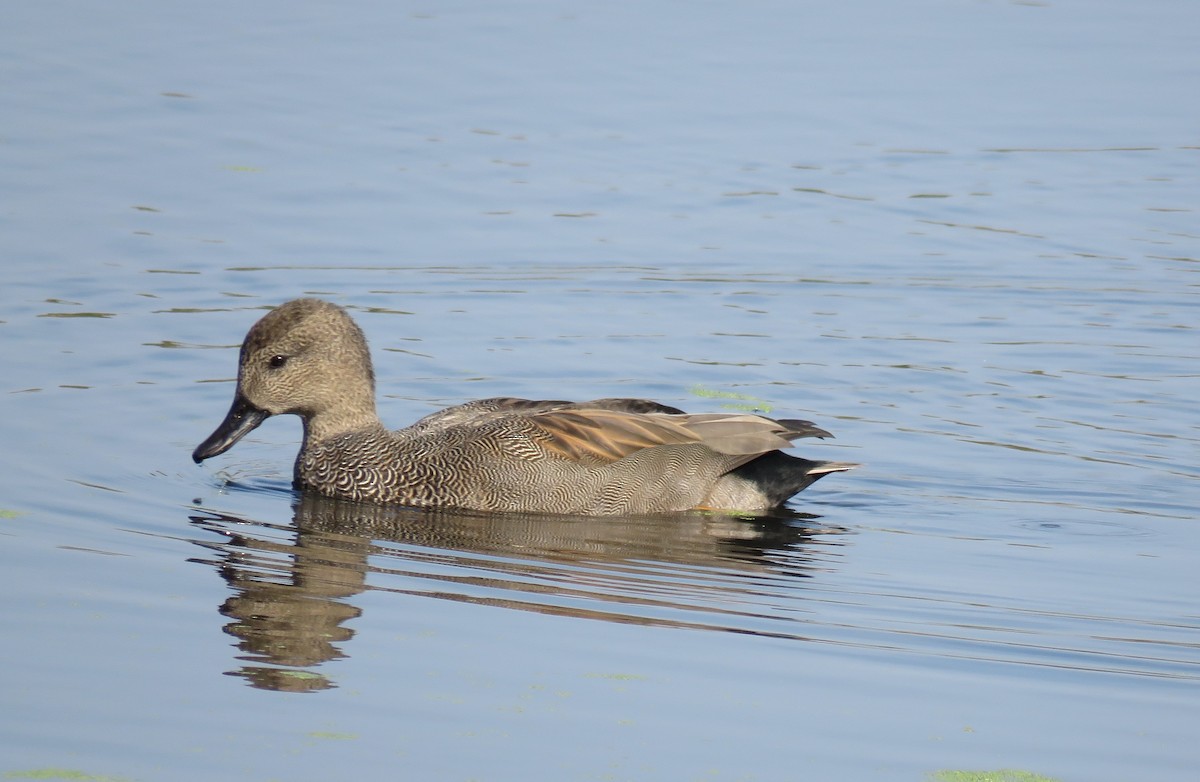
(962, 237)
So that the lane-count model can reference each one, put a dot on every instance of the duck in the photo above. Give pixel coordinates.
(605, 457)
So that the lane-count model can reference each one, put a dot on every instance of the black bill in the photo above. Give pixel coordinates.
(241, 419)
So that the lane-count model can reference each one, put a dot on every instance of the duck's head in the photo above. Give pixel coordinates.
(305, 357)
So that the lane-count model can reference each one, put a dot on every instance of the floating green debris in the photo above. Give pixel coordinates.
(62, 773)
(78, 315)
(331, 736)
(744, 401)
(5, 513)
(1001, 775)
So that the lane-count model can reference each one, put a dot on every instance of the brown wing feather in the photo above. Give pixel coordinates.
(741, 435)
(608, 435)
(482, 411)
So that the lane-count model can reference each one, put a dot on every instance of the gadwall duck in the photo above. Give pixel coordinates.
(606, 457)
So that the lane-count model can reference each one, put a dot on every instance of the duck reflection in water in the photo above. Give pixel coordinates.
(292, 583)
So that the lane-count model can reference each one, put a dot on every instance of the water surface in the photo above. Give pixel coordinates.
(961, 237)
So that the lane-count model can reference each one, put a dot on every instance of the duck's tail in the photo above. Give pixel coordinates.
(769, 481)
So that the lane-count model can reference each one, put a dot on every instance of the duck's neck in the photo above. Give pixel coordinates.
(328, 425)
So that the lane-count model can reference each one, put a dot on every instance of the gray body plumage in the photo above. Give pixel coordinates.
(604, 457)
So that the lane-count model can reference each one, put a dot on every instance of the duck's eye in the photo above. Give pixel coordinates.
(277, 361)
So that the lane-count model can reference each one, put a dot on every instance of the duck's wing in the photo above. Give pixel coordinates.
(482, 411)
(623, 405)
(606, 435)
